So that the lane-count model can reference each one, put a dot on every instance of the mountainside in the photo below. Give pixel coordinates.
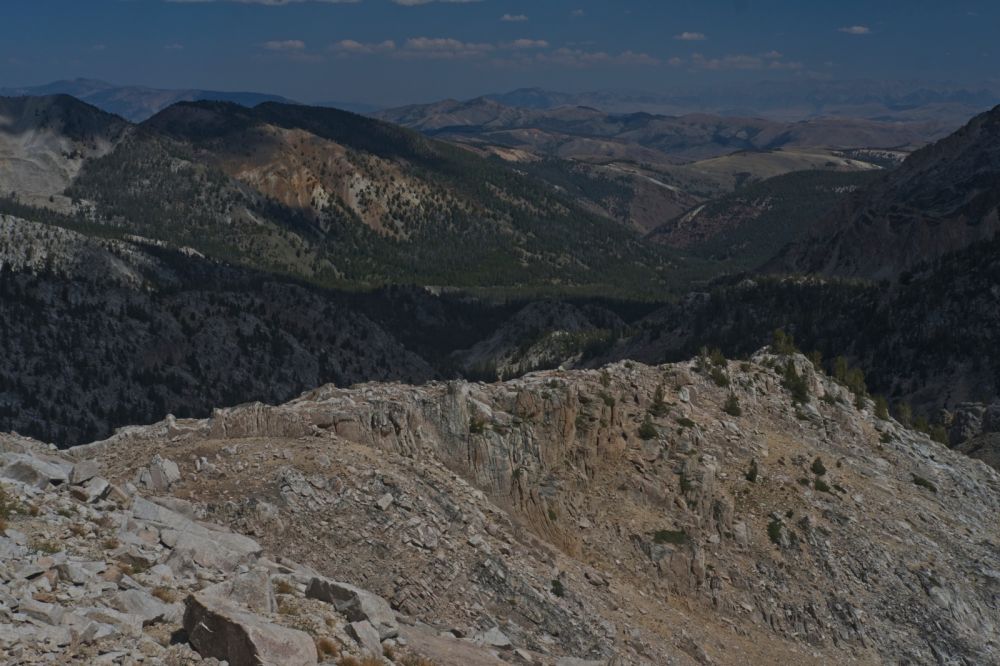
(137, 103)
(342, 199)
(754, 223)
(626, 516)
(943, 198)
(44, 142)
(95, 334)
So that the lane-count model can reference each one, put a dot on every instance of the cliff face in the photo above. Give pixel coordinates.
(691, 513)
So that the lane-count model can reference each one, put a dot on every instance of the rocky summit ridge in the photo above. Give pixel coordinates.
(705, 512)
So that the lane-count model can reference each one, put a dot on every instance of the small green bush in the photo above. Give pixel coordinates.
(720, 377)
(782, 343)
(751, 474)
(676, 537)
(685, 422)
(774, 531)
(477, 426)
(732, 406)
(818, 468)
(796, 384)
(659, 407)
(881, 408)
(821, 485)
(647, 430)
(558, 588)
(924, 483)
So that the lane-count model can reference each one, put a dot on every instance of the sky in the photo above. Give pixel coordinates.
(389, 52)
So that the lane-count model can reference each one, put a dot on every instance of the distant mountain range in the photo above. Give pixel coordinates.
(136, 103)
(784, 100)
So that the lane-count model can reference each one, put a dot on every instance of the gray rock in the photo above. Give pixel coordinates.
(91, 491)
(219, 629)
(494, 638)
(144, 606)
(356, 604)
(385, 502)
(84, 471)
(252, 590)
(367, 637)
(32, 471)
(48, 613)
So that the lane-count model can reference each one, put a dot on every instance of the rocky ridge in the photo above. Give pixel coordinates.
(702, 512)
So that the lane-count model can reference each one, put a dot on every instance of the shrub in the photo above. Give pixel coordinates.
(774, 531)
(796, 384)
(165, 594)
(855, 382)
(608, 400)
(938, 433)
(717, 358)
(327, 647)
(751, 474)
(685, 422)
(904, 413)
(821, 485)
(782, 343)
(282, 586)
(8, 506)
(720, 377)
(881, 408)
(732, 406)
(477, 426)
(924, 483)
(816, 358)
(558, 588)
(818, 468)
(676, 537)
(647, 430)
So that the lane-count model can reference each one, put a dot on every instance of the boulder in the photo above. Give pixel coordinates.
(252, 590)
(91, 491)
(84, 471)
(367, 637)
(221, 630)
(357, 604)
(144, 606)
(32, 471)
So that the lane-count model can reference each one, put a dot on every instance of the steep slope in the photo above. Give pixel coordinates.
(44, 141)
(95, 334)
(622, 516)
(137, 103)
(943, 198)
(928, 340)
(754, 223)
(342, 199)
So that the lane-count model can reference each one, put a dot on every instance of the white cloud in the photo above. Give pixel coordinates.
(417, 3)
(856, 30)
(691, 37)
(349, 46)
(285, 45)
(577, 12)
(271, 3)
(514, 18)
(519, 44)
(770, 60)
(580, 58)
(176, 46)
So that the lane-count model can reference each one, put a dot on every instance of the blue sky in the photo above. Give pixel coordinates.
(398, 51)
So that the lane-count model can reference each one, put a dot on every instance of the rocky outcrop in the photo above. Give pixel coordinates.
(99, 578)
(689, 512)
